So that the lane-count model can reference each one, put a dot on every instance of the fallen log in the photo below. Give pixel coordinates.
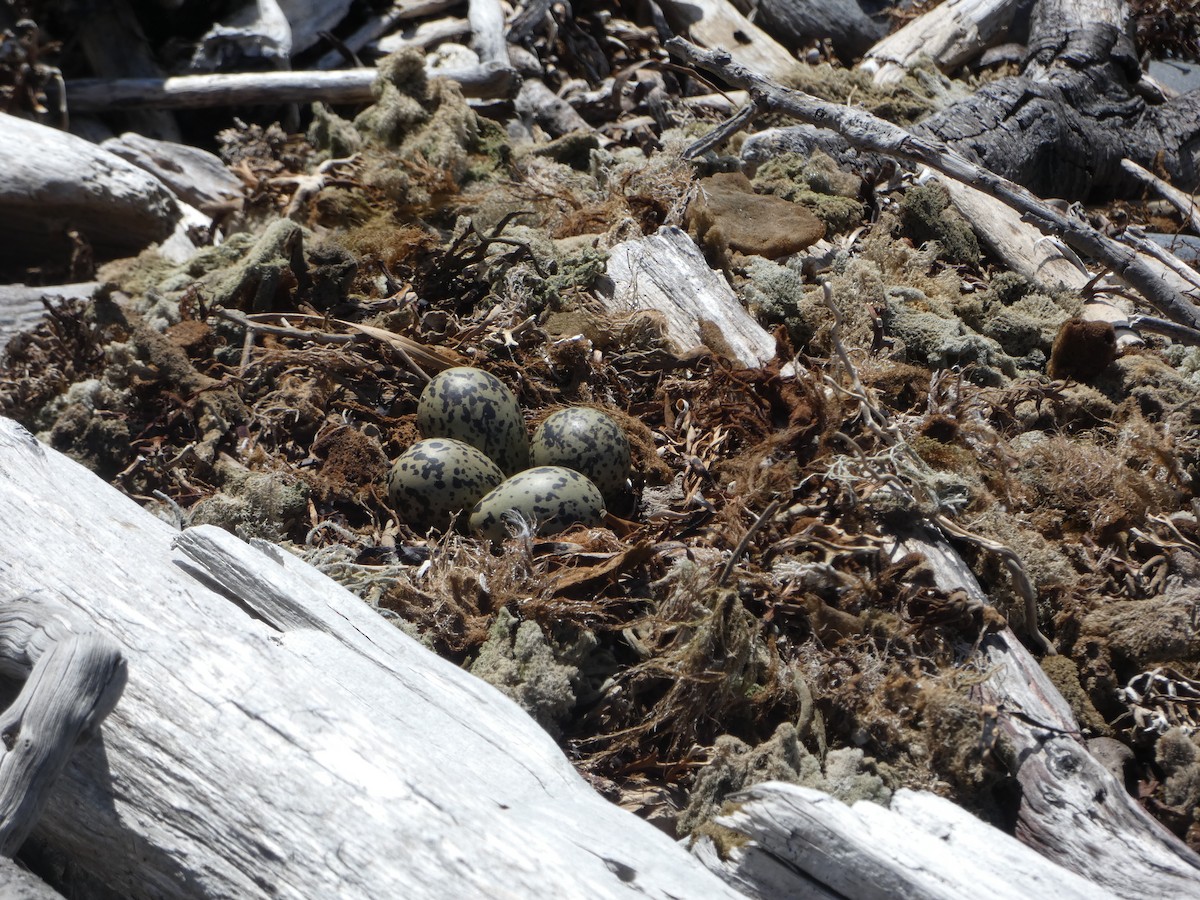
(950, 34)
(54, 181)
(847, 24)
(278, 738)
(1072, 809)
(815, 846)
(342, 86)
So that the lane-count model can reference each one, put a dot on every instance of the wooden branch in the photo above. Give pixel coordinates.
(950, 34)
(1182, 201)
(257, 88)
(866, 131)
(380, 23)
(73, 680)
(487, 32)
(537, 103)
(425, 35)
(277, 737)
(1180, 334)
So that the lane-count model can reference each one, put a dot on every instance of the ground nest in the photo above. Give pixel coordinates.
(745, 617)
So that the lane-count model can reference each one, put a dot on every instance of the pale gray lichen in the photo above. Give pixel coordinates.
(846, 774)
(517, 659)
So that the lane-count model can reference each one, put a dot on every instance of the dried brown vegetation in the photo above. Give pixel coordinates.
(748, 586)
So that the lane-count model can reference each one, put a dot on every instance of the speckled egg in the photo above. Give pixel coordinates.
(475, 407)
(588, 441)
(552, 496)
(437, 477)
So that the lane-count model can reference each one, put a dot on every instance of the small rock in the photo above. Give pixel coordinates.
(727, 215)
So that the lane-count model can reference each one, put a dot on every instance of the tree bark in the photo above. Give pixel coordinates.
(1062, 127)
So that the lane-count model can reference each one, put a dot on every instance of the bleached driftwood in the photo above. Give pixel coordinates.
(271, 29)
(667, 273)
(18, 884)
(536, 103)
(1181, 200)
(1024, 249)
(717, 23)
(54, 180)
(195, 176)
(21, 306)
(73, 678)
(806, 844)
(1021, 246)
(844, 23)
(277, 738)
(249, 88)
(950, 34)
(424, 35)
(1072, 809)
(1080, 833)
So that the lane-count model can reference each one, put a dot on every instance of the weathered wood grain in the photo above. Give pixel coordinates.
(870, 852)
(54, 180)
(668, 273)
(319, 754)
(72, 681)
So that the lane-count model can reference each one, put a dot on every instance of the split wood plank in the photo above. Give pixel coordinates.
(666, 272)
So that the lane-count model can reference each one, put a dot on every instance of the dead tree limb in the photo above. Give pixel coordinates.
(73, 679)
(251, 88)
(868, 132)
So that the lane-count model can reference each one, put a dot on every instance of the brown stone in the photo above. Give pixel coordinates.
(728, 216)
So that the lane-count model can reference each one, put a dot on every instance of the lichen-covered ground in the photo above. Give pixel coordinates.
(740, 618)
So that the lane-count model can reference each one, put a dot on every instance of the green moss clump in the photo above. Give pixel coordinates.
(926, 215)
(816, 182)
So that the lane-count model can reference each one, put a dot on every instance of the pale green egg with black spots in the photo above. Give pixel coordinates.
(553, 497)
(477, 408)
(588, 441)
(437, 477)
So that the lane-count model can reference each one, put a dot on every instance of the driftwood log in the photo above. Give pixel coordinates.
(278, 738)
(805, 844)
(668, 274)
(1072, 810)
(851, 26)
(54, 181)
(949, 35)
(1092, 840)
